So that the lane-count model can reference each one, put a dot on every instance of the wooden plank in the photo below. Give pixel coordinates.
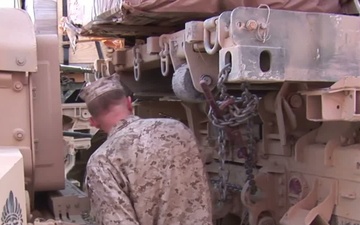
(85, 53)
(78, 77)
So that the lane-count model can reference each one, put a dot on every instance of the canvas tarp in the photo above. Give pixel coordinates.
(83, 11)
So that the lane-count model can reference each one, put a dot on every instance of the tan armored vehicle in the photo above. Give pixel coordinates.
(269, 88)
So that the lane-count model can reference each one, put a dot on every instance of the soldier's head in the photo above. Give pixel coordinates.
(107, 101)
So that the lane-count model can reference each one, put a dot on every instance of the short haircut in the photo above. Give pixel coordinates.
(102, 103)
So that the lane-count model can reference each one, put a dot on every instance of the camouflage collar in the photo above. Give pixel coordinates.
(122, 124)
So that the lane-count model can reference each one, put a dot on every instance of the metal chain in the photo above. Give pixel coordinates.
(237, 111)
(229, 186)
(241, 109)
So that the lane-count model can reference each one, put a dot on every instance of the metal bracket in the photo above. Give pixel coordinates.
(210, 27)
(223, 28)
(282, 58)
(337, 103)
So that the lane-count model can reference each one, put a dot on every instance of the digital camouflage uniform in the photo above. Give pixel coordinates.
(148, 171)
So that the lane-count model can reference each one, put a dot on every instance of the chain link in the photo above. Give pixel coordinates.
(237, 110)
(241, 108)
(229, 186)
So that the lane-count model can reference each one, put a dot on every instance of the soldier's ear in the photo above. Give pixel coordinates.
(94, 123)
(129, 103)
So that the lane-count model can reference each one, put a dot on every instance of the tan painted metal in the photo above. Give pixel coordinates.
(306, 132)
(30, 101)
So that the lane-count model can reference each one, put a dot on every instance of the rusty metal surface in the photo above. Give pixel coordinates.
(301, 46)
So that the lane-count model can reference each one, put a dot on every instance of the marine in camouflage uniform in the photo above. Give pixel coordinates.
(148, 171)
